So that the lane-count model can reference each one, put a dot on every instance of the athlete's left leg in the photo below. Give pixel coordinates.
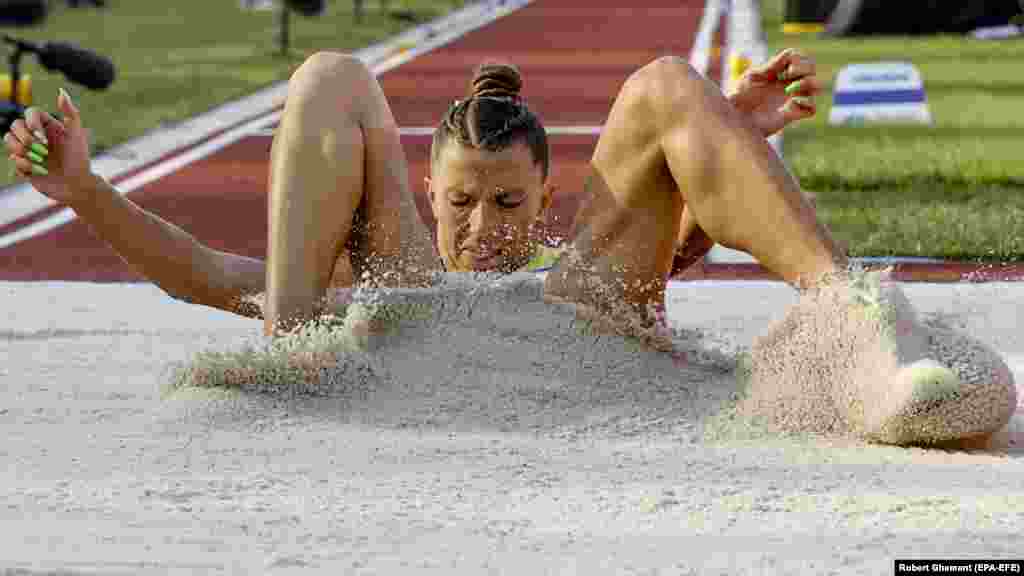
(673, 142)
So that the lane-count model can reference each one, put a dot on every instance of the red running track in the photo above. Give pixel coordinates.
(574, 57)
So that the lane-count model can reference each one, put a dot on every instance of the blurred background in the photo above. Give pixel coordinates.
(178, 59)
(952, 189)
(949, 189)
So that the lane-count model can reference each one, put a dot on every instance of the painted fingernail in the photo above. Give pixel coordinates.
(36, 157)
(39, 170)
(782, 76)
(40, 149)
(793, 87)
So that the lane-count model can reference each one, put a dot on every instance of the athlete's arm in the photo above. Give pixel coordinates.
(53, 155)
(167, 255)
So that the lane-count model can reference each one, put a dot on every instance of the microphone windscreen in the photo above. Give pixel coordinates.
(307, 8)
(78, 65)
(22, 13)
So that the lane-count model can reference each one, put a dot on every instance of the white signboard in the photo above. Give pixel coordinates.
(879, 92)
(256, 5)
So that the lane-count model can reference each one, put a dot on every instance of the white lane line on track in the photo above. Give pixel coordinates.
(66, 215)
(23, 201)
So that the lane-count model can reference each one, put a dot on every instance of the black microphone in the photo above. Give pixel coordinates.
(22, 13)
(78, 64)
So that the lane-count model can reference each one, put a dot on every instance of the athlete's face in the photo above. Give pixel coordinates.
(485, 204)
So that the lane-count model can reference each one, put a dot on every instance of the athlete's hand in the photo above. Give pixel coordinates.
(58, 165)
(761, 92)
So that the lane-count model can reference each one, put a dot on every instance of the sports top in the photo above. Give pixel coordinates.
(543, 258)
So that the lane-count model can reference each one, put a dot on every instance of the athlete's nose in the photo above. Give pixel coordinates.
(482, 220)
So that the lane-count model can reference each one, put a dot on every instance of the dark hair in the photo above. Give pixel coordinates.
(493, 116)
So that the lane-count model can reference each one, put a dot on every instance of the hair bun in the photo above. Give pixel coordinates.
(496, 79)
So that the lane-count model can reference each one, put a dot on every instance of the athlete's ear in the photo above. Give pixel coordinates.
(549, 194)
(430, 194)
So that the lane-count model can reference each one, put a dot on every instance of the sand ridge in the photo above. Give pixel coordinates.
(479, 350)
(488, 350)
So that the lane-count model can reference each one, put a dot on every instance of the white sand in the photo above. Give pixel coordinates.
(486, 463)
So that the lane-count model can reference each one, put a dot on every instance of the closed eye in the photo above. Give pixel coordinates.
(510, 199)
(460, 202)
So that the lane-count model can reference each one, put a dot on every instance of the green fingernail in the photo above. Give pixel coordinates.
(39, 170)
(35, 157)
(793, 87)
(39, 149)
(782, 76)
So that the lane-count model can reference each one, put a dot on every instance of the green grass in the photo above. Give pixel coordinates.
(953, 190)
(178, 59)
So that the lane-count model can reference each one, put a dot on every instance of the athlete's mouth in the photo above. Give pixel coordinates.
(486, 262)
(483, 260)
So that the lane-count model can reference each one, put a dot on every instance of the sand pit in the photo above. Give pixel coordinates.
(471, 451)
(481, 354)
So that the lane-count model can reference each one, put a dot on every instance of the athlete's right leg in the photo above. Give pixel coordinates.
(341, 208)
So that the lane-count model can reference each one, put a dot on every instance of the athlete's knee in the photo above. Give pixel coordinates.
(327, 75)
(328, 66)
(669, 81)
